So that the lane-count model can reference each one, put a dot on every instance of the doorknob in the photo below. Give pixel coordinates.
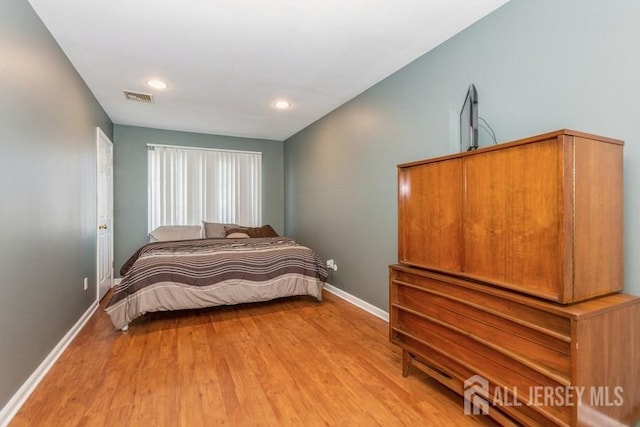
(102, 227)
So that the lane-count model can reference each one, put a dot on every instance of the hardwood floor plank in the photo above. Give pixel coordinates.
(291, 362)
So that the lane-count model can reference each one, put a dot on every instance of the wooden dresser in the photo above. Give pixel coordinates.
(510, 269)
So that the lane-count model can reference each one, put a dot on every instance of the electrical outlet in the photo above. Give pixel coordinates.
(86, 283)
(331, 264)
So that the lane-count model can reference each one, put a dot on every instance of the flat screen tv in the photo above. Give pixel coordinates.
(469, 121)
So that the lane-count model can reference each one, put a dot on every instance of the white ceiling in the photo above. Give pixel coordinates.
(226, 61)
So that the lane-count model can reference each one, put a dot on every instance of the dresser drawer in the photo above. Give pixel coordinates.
(499, 369)
(535, 319)
(451, 373)
(465, 347)
(547, 353)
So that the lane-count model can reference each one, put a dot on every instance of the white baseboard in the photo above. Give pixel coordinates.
(15, 403)
(117, 281)
(370, 308)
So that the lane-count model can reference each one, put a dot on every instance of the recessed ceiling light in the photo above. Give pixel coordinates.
(156, 84)
(282, 104)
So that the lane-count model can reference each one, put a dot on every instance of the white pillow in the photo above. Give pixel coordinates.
(215, 229)
(166, 233)
(237, 236)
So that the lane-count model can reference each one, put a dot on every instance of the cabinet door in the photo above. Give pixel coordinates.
(430, 215)
(513, 223)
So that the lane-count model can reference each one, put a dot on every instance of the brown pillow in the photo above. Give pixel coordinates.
(264, 231)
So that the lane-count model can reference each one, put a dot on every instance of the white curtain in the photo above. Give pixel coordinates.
(188, 185)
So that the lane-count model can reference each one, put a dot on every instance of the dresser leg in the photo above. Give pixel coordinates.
(407, 358)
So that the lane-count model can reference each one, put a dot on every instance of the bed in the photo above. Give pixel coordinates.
(207, 272)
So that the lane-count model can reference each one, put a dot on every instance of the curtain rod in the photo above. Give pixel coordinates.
(183, 147)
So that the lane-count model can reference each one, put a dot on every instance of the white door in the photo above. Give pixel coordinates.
(105, 214)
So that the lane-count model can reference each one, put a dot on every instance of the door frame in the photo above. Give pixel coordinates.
(101, 135)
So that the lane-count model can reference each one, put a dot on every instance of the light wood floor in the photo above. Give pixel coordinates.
(287, 362)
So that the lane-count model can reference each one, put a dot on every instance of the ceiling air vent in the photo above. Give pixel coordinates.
(138, 96)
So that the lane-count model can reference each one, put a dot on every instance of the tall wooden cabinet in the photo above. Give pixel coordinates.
(510, 268)
(542, 216)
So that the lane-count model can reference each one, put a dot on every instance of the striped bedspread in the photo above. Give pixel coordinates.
(209, 272)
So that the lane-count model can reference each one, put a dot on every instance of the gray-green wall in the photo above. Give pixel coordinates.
(48, 120)
(538, 65)
(130, 179)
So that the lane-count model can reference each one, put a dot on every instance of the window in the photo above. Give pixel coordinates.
(188, 185)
